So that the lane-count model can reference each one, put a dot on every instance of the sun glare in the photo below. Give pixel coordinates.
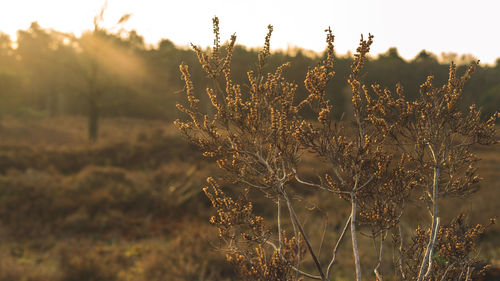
(437, 26)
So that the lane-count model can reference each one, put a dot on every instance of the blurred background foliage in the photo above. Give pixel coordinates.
(49, 73)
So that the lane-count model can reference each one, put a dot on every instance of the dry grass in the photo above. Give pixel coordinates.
(116, 218)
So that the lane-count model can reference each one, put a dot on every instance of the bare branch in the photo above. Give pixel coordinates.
(319, 186)
(335, 249)
(380, 255)
(446, 271)
(279, 223)
(468, 274)
(323, 237)
(354, 239)
(304, 235)
(400, 252)
(426, 264)
(365, 184)
(430, 262)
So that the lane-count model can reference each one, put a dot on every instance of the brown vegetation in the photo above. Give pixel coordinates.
(393, 151)
(130, 206)
(141, 228)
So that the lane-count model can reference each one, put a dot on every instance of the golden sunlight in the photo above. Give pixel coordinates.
(437, 26)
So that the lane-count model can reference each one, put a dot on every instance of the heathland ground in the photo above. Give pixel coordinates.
(131, 207)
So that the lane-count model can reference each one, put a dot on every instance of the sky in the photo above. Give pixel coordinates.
(463, 27)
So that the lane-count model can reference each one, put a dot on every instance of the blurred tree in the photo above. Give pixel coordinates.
(105, 61)
(497, 64)
(111, 72)
(490, 101)
(11, 81)
(5, 49)
(41, 54)
(389, 67)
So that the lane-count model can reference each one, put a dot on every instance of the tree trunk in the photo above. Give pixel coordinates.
(93, 115)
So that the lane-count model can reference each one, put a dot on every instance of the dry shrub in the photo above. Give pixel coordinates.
(26, 202)
(99, 200)
(88, 263)
(189, 256)
(22, 269)
(394, 151)
(150, 153)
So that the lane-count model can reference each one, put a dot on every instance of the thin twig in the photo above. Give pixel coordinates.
(296, 233)
(365, 184)
(446, 271)
(334, 255)
(305, 274)
(468, 274)
(279, 224)
(354, 238)
(323, 237)
(337, 173)
(254, 185)
(380, 255)
(303, 233)
(401, 252)
(319, 186)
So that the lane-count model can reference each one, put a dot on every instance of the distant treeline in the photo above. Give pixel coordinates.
(48, 73)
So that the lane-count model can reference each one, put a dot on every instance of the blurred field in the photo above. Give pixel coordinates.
(130, 207)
